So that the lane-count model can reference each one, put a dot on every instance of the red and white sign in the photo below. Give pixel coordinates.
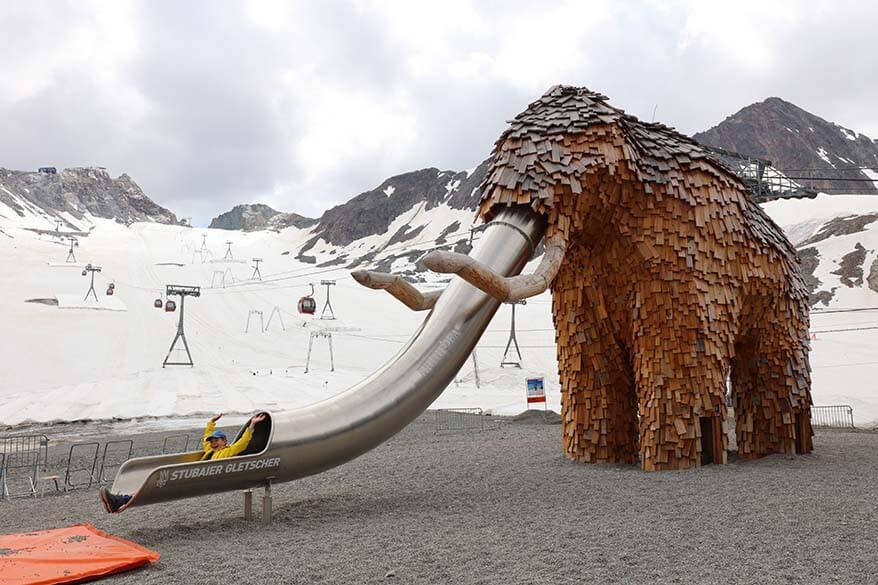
(536, 391)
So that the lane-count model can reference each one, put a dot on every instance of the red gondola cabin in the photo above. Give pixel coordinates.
(307, 305)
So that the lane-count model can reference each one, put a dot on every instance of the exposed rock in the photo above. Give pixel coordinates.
(823, 296)
(77, 191)
(452, 228)
(851, 267)
(842, 226)
(810, 260)
(793, 138)
(872, 279)
(258, 216)
(404, 234)
(334, 262)
(372, 212)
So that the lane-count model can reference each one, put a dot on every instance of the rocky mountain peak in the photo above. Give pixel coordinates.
(76, 191)
(795, 139)
(372, 212)
(258, 216)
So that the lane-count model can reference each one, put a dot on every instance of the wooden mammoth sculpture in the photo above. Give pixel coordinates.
(668, 283)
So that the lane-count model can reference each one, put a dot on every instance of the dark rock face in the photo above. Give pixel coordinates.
(258, 216)
(810, 260)
(373, 211)
(851, 267)
(793, 138)
(842, 226)
(80, 190)
(872, 279)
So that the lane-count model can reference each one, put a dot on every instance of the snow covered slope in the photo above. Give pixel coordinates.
(78, 364)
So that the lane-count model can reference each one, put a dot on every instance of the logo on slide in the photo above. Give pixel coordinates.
(167, 476)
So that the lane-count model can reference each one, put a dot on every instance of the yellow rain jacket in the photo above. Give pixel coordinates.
(227, 451)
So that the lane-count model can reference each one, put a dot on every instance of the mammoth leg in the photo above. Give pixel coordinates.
(681, 366)
(770, 381)
(598, 405)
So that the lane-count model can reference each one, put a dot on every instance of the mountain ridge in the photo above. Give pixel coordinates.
(71, 194)
(799, 143)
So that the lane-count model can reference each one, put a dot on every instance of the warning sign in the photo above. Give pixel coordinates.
(536, 391)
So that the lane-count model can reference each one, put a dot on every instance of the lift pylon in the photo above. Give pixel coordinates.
(328, 336)
(181, 291)
(328, 305)
(71, 257)
(513, 340)
(89, 269)
(256, 274)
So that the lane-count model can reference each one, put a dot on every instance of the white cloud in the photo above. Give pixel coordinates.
(304, 104)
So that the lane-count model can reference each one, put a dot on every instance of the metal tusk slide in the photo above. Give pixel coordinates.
(297, 443)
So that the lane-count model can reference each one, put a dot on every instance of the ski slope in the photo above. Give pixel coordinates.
(72, 364)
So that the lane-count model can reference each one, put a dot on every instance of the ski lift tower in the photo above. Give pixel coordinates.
(513, 340)
(328, 305)
(228, 255)
(71, 257)
(256, 274)
(89, 269)
(203, 248)
(182, 292)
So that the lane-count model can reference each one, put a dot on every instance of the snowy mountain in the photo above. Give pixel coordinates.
(793, 139)
(394, 224)
(74, 196)
(71, 359)
(837, 242)
(258, 216)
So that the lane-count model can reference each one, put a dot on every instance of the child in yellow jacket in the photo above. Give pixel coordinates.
(216, 443)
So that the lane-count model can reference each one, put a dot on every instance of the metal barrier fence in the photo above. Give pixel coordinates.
(175, 444)
(459, 419)
(833, 416)
(81, 459)
(24, 462)
(119, 452)
(24, 457)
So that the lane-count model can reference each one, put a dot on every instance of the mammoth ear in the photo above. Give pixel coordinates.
(401, 289)
(502, 288)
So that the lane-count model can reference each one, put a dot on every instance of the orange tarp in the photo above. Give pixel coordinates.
(67, 555)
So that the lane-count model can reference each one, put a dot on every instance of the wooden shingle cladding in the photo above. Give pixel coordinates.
(674, 278)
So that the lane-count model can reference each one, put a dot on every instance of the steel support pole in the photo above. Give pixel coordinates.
(266, 502)
(331, 356)
(248, 504)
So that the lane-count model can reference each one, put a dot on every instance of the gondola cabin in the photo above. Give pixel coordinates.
(170, 307)
(307, 305)
(110, 290)
(158, 304)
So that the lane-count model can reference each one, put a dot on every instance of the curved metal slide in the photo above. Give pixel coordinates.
(297, 443)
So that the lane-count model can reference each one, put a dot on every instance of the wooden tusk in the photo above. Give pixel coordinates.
(469, 269)
(397, 286)
(502, 288)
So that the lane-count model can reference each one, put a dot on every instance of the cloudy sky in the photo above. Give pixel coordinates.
(207, 104)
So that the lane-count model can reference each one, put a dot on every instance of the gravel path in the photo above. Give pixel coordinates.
(504, 506)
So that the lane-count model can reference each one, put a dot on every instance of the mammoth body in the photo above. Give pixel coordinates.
(673, 282)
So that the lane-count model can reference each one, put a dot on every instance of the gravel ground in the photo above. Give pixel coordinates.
(503, 506)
